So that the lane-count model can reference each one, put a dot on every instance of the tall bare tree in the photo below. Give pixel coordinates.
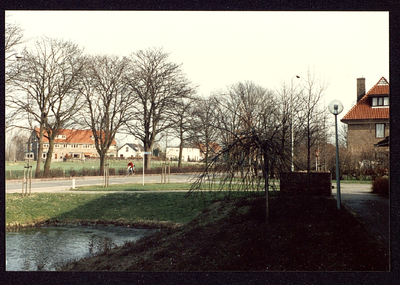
(181, 127)
(66, 100)
(107, 100)
(46, 89)
(247, 119)
(202, 131)
(311, 113)
(13, 38)
(157, 84)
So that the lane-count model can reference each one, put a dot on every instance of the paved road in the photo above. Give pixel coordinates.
(372, 210)
(60, 185)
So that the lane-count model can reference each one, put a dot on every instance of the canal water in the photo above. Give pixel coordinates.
(48, 248)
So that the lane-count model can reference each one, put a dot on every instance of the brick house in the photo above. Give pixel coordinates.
(368, 122)
(69, 143)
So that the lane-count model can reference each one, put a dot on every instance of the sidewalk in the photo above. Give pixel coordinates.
(370, 209)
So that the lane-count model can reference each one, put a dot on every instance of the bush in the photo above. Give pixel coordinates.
(381, 186)
(72, 172)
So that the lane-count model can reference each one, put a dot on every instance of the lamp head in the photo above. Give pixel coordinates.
(335, 107)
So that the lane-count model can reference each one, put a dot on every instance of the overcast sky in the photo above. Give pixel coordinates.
(217, 49)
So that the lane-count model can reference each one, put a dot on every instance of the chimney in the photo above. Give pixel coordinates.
(360, 88)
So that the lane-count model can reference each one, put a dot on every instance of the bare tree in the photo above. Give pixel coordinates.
(157, 84)
(181, 127)
(15, 146)
(203, 132)
(311, 113)
(247, 116)
(343, 135)
(47, 76)
(13, 38)
(66, 100)
(288, 101)
(108, 101)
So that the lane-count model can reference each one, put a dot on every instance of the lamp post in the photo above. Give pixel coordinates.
(336, 107)
(291, 120)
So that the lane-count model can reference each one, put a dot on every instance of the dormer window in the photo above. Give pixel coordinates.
(380, 101)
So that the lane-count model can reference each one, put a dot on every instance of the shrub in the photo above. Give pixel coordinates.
(381, 186)
(57, 172)
(72, 172)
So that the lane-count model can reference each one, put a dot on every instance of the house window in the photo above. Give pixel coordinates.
(46, 145)
(56, 145)
(127, 149)
(380, 101)
(386, 101)
(44, 155)
(65, 145)
(380, 130)
(74, 146)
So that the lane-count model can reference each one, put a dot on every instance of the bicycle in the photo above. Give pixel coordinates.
(130, 171)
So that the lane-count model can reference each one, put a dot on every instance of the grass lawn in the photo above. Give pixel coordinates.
(210, 232)
(43, 208)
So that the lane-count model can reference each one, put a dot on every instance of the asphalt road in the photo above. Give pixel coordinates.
(372, 210)
(60, 185)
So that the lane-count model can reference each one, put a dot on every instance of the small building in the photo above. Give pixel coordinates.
(69, 143)
(368, 122)
(213, 149)
(188, 153)
(130, 150)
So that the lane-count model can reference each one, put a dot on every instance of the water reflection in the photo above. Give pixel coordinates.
(51, 247)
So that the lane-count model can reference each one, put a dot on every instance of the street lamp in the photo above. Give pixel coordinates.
(336, 107)
(291, 119)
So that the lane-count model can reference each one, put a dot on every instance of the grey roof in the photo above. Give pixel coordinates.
(134, 146)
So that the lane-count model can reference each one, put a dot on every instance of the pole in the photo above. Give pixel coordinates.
(338, 198)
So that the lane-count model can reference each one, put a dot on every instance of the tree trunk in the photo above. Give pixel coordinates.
(47, 163)
(102, 162)
(180, 152)
(40, 152)
(266, 186)
(147, 160)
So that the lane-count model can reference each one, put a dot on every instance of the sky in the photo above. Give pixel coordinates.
(218, 49)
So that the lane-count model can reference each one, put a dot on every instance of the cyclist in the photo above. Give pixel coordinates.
(131, 167)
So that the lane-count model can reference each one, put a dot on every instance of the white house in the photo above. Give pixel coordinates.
(130, 150)
(188, 153)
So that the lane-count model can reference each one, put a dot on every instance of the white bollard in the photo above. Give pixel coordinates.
(73, 183)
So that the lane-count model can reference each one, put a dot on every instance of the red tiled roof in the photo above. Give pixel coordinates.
(73, 136)
(363, 110)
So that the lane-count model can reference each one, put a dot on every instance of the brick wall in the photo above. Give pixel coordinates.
(295, 183)
(361, 136)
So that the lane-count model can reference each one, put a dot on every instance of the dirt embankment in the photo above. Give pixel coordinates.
(302, 234)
